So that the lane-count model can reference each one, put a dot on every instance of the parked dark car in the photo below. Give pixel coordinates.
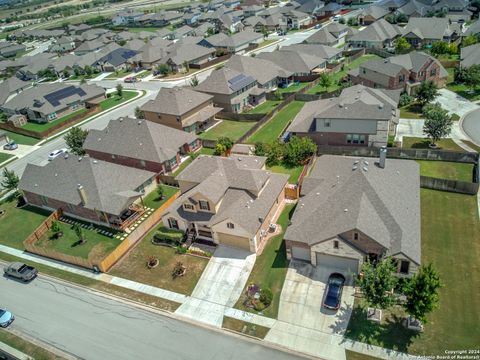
(333, 293)
(20, 271)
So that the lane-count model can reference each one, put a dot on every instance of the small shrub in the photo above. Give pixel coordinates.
(259, 306)
(180, 249)
(178, 270)
(266, 296)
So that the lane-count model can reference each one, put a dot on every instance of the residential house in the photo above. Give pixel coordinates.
(404, 72)
(12, 86)
(469, 55)
(232, 90)
(333, 34)
(150, 54)
(141, 144)
(115, 60)
(183, 54)
(234, 44)
(129, 17)
(62, 45)
(181, 108)
(421, 32)
(181, 32)
(46, 102)
(360, 116)
(227, 200)
(371, 14)
(90, 190)
(414, 8)
(301, 64)
(312, 7)
(78, 29)
(331, 9)
(9, 49)
(89, 46)
(380, 34)
(473, 29)
(294, 20)
(162, 18)
(252, 10)
(353, 210)
(29, 67)
(330, 54)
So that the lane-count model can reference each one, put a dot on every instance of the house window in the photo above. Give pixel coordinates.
(204, 205)
(327, 123)
(178, 118)
(401, 78)
(230, 225)
(349, 139)
(172, 223)
(335, 244)
(404, 265)
(188, 207)
(362, 139)
(355, 236)
(433, 72)
(355, 139)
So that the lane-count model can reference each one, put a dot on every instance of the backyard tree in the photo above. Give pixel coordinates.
(194, 81)
(401, 18)
(79, 232)
(405, 99)
(224, 144)
(325, 81)
(377, 282)
(76, 71)
(275, 153)
(439, 48)
(119, 89)
(74, 139)
(426, 92)
(401, 45)
(66, 74)
(260, 149)
(139, 114)
(160, 191)
(421, 292)
(56, 230)
(438, 123)
(472, 77)
(88, 70)
(10, 180)
(298, 149)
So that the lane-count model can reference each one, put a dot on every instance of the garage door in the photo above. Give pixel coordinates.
(300, 253)
(235, 241)
(344, 265)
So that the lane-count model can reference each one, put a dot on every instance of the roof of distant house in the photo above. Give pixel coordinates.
(176, 101)
(225, 81)
(378, 31)
(470, 55)
(294, 61)
(428, 28)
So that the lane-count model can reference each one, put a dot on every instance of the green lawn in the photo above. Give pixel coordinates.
(446, 170)
(336, 77)
(96, 248)
(151, 29)
(35, 351)
(271, 267)
(206, 151)
(472, 145)
(118, 74)
(265, 107)
(293, 172)
(293, 88)
(153, 201)
(21, 139)
(228, 128)
(144, 74)
(450, 229)
(245, 327)
(114, 100)
(422, 143)
(182, 166)
(17, 224)
(39, 127)
(412, 111)
(5, 157)
(352, 355)
(275, 127)
(462, 89)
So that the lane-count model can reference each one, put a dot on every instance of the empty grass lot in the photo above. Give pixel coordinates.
(275, 127)
(265, 107)
(35, 351)
(294, 172)
(422, 143)
(271, 267)
(17, 224)
(134, 267)
(450, 229)
(39, 127)
(227, 128)
(446, 170)
(153, 201)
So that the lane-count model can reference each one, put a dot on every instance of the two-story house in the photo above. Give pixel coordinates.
(141, 144)
(181, 108)
(360, 116)
(229, 201)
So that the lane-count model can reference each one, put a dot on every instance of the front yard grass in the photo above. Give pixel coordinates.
(134, 266)
(39, 127)
(21, 139)
(227, 128)
(411, 111)
(446, 170)
(422, 143)
(245, 327)
(275, 127)
(29, 348)
(118, 74)
(294, 172)
(17, 224)
(153, 201)
(472, 145)
(115, 100)
(182, 166)
(270, 267)
(5, 157)
(265, 107)
(450, 229)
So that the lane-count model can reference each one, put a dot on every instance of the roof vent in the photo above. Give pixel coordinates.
(365, 162)
(345, 210)
(356, 161)
(318, 193)
(365, 169)
(380, 106)
(139, 122)
(56, 174)
(66, 156)
(36, 185)
(121, 119)
(80, 158)
(99, 139)
(340, 104)
(239, 159)
(95, 161)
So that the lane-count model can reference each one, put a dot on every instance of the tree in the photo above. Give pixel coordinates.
(298, 149)
(377, 283)
(139, 114)
(210, 31)
(438, 124)
(194, 81)
(160, 191)
(88, 70)
(78, 231)
(401, 45)
(164, 69)
(260, 149)
(74, 139)
(10, 180)
(421, 292)
(426, 92)
(275, 153)
(325, 81)
(401, 18)
(405, 99)
(76, 71)
(341, 21)
(439, 48)
(472, 77)
(119, 89)
(122, 42)
(66, 74)
(227, 142)
(460, 73)
(352, 21)
(469, 40)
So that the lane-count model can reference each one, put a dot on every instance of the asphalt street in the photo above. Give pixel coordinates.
(90, 326)
(471, 125)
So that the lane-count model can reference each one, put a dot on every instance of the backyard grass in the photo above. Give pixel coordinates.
(228, 128)
(134, 267)
(293, 88)
(412, 111)
(119, 74)
(446, 170)
(265, 107)
(21, 139)
(245, 327)
(5, 157)
(182, 166)
(450, 229)
(422, 143)
(140, 29)
(26, 347)
(472, 145)
(39, 127)
(275, 127)
(338, 76)
(206, 151)
(271, 267)
(464, 91)
(294, 172)
(153, 201)
(115, 100)
(17, 224)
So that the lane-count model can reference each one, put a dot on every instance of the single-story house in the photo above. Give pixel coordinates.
(425, 31)
(299, 63)
(380, 34)
(235, 44)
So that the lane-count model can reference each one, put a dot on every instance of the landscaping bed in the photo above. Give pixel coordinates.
(234, 130)
(423, 143)
(446, 170)
(165, 236)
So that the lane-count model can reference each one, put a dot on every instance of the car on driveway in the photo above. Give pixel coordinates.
(56, 153)
(6, 318)
(333, 293)
(12, 145)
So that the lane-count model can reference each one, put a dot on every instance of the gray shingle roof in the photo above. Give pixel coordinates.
(322, 36)
(10, 86)
(109, 187)
(320, 51)
(220, 81)
(379, 31)
(374, 11)
(293, 61)
(176, 101)
(470, 55)
(428, 28)
(382, 203)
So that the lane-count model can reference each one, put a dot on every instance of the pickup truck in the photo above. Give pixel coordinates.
(20, 271)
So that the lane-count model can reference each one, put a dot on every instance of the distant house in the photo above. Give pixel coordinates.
(9, 49)
(414, 8)
(331, 35)
(126, 18)
(46, 102)
(115, 60)
(400, 72)
(141, 144)
(469, 56)
(12, 86)
(425, 31)
(380, 34)
(181, 108)
(252, 10)
(62, 45)
(227, 200)
(87, 189)
(353, 210)
(89, 46)
(235, 44)
(360, 116)
(299, 63)
(371, 14)
(162, 18)
(330, 54)
(294, 19)
(232, 90)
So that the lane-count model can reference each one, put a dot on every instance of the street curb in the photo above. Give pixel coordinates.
(6, 162)
(460, 125)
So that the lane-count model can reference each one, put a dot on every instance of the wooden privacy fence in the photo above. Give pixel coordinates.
(462, 187)
(135, 236)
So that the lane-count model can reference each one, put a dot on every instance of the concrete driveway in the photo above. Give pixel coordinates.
(220, 285)
(454, 103)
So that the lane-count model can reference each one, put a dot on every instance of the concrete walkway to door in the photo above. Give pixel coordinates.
(220, 285)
